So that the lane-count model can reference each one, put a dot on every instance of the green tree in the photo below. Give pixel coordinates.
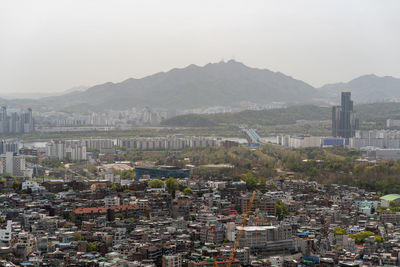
(32, 160)
(262, 181)
(339, 231)
(52, 162)
(251, 181)
(120, 216)
(313, 172)
(172, 185)
(78, 237)
(281, 210)
(117, 187)
(187, 191)
(156, 183)
(128, 174)
(92, 246)
(359, 238)
(17, 186)
(378, 239)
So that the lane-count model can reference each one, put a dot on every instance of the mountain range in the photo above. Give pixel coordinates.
(366, 89)
(215, 84)
(224, 83)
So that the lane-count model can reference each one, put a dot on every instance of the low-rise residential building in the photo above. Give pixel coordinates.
(172, 260)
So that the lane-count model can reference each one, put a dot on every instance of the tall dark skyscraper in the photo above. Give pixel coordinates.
(344, 121)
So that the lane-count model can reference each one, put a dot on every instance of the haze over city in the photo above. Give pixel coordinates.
(51, 46)
(199, 133)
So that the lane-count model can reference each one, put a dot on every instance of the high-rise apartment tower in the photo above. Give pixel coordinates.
(344, 120)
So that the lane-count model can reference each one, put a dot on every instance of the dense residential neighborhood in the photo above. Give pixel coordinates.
(199, 133)
(117, 219)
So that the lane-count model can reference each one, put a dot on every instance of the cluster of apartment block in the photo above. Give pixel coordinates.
(376, 138)
(11, 162)
(16, 122)
(392, 123)
(76, 150)
(164, 143)
(377, 144)
(9, 146)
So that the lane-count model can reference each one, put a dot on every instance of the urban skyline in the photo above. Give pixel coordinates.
(220, 159)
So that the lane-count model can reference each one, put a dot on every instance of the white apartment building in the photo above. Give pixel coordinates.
(111, 177)
(76, 152)
(241, 254)
(170, 142)
(98, 143)
(119, 235)
(14, 165)
(5, 234)
(267, 238)
(172, 260)
(384, 139)
(392, 123)
(299, 141)
(72, 149)
(34, 186)
(111, 201)
(275, 195)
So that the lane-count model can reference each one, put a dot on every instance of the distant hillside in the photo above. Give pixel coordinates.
(190, 120)
(262, 117)
(75, 89)
(366, 89)
(224, 83)
(376, 112)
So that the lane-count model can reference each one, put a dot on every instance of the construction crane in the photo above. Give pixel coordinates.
(244, 222)
(215, 264)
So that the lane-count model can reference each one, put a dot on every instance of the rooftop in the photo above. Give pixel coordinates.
(104, 209)
(391, 197)
(255, 228)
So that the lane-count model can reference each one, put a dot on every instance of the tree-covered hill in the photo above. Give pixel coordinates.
(376, 112)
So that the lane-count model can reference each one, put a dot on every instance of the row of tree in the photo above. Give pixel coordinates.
(171, 184)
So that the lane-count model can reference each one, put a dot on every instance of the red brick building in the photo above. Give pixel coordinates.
(86, 214)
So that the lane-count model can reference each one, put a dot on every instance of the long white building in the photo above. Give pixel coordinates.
(98, 143)
(299, 141)
(170, 142)
(267, 238)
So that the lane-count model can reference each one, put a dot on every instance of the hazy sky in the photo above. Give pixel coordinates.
(53, 45)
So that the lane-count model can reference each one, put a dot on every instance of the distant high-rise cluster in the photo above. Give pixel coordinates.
(344, 121)
(16, 122)
(9, 146)
(74, 150)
